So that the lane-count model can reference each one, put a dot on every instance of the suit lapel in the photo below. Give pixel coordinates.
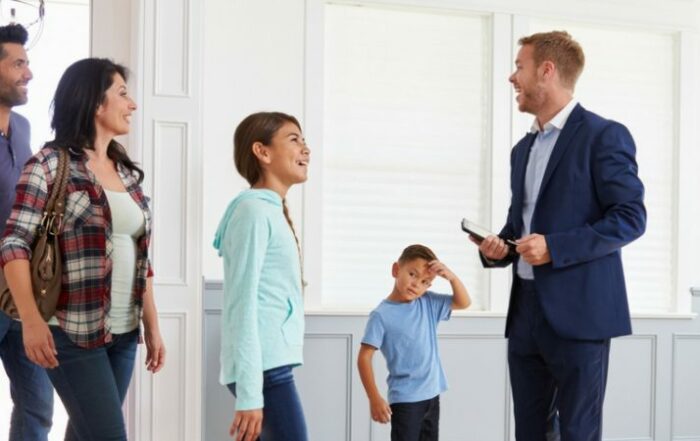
(563, 142)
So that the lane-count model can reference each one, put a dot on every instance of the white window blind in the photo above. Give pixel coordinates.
(631, 77)
(405, 148)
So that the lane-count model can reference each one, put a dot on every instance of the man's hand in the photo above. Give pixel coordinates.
(492, 247)
(533, 249)
(380, 410)
(247, 424)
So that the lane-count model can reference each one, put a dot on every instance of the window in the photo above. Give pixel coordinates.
(405, 150)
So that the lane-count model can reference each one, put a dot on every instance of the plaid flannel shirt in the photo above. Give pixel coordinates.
(85, 241)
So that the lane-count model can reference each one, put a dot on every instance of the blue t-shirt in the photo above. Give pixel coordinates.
(406, 334)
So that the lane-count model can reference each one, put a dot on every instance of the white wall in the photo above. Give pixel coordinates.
(253, 61)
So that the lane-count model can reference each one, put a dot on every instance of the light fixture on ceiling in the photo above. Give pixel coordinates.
(28, 13)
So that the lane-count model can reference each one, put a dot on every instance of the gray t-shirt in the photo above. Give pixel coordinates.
(14, 153)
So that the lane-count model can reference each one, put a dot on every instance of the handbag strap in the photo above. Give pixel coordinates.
(56, 203)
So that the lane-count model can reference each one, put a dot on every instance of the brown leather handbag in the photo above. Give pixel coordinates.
(46, 265)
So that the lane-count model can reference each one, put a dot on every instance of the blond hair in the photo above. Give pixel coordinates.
(562, 50)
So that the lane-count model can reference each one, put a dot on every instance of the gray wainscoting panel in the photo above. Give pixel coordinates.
(217, 401)
(476, 403)
(378, 431)
(686, 387)
(326, 379)
(631, 389)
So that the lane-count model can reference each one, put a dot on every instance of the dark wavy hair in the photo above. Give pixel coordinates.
(79, 93)
(12, 33)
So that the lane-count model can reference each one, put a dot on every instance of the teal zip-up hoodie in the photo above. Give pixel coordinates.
(262, 322)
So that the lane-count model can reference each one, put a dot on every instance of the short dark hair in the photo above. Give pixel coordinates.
(417, 251)
(12, 33)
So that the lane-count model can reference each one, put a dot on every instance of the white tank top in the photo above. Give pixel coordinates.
(128, 224)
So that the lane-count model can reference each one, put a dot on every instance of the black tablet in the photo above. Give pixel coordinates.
(480, 232)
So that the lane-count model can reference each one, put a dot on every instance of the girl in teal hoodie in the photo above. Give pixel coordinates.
(262, 323)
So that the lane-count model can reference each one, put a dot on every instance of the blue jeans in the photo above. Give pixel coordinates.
(419, 421)
(283, 417)
(92, 384)
(30, 388)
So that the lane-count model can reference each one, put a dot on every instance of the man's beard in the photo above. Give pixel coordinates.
(532, 100)
(10, 97)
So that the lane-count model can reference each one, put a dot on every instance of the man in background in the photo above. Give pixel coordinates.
(30, 388)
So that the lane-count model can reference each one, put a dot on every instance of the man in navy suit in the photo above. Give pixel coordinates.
(576, 201)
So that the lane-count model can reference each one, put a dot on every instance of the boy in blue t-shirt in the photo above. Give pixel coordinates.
(404, 328)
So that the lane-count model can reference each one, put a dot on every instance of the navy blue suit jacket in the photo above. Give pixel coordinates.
(590, 205)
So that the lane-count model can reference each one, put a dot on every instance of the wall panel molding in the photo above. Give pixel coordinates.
(346, 342)
(169, 416)
(171, 141)
(488, 401)
(685, 386)
(632, 388)
(171, 27)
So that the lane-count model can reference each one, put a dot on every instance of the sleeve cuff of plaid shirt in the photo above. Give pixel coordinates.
(13, 251)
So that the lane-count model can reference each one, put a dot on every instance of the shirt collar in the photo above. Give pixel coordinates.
(557, 121)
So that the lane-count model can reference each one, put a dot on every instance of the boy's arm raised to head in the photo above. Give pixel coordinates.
(379, 408)
(460, 296)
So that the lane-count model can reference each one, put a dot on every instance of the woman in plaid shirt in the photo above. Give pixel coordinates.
(89, 346)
